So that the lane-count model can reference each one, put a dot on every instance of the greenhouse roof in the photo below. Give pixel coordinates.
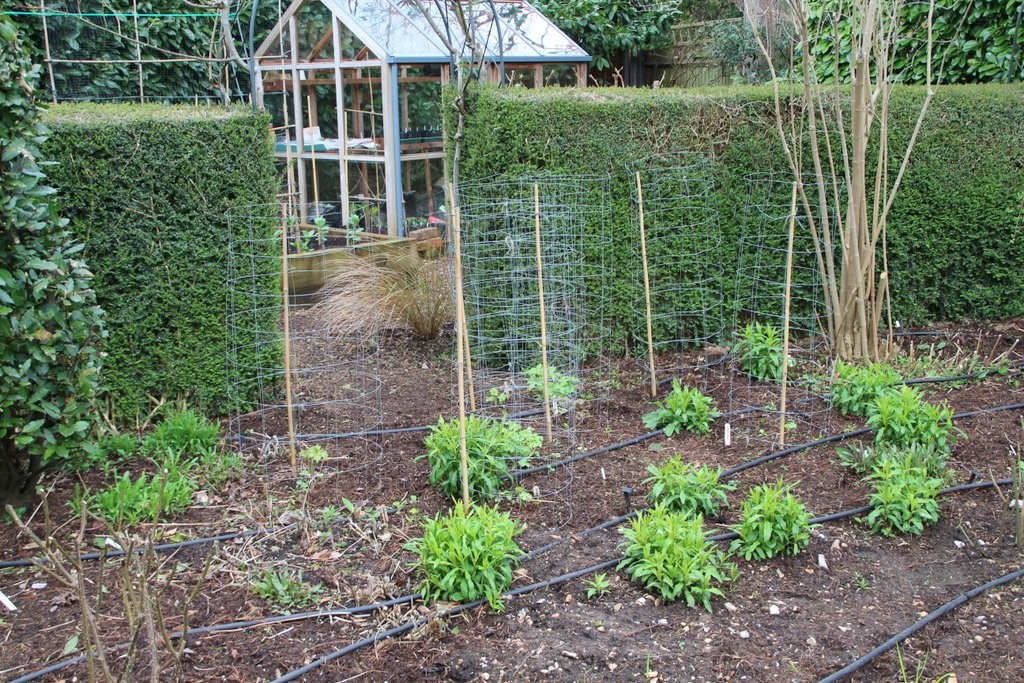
(408, 30)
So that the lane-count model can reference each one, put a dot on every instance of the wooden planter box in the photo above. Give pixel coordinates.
(308, 271)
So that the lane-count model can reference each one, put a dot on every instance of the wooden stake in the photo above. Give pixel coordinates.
(468, 357)
(288, 350)
(785, 318)
(312, 156)
(460, 331)
(647, 287)
(543, 320)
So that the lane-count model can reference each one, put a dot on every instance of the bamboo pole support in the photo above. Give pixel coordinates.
(312, 156)
(287, 350)
(647, 287)
(460, 332)
(467, 355)
(788, 297)
(543, 319)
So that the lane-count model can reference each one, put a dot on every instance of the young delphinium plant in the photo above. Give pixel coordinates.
(759, 351)
(669, 554)
(561, 386)
(684, 408)
(772, 522)
(863, 459)
(902, 417)
(694, 490)
(905, 497)
(490, 445)
(856, 388)
(146, 498)
(467, 554)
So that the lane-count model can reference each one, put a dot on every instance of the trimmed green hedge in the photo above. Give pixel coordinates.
(956, 232)
(147, 188)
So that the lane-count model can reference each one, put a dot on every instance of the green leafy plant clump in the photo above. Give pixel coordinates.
(903, 418)
(904, 499)
(694, 490)
(146, 498)
(669, 554)
(684, 408)
(183, 432)
(561, 386)
(467, 554)
(857, 387)
(865, 459)
(50, 324)
(772, 522)
(490, 445)
(759, 351)
(285, 589)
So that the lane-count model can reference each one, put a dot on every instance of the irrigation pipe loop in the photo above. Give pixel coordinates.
(404, 628)
(918, 625)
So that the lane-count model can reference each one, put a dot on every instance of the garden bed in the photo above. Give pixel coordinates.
(787, 619)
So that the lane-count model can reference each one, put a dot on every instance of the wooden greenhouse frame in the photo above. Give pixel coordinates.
(358, 82)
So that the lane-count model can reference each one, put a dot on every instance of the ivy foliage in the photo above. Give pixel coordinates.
(49, 321)
(609, 28)
(955, 233)
(148, 189)
(975, 41)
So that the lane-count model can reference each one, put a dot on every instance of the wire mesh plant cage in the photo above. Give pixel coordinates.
(329, 392)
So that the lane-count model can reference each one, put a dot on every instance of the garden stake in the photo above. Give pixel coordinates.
(647, 286)
(460, 330)
(312, 157)
(287, 349)
(461, 313)
(540, 295)
(785, 318)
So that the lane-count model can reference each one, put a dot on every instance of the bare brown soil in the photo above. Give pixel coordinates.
(843, 595)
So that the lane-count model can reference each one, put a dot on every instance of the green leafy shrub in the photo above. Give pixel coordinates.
(759, 351)
(905, 497)
(684, 408)
(216, 469)
(772, 522)
(285, 589)
(857, 387)
(689, 489)
(49, 321)
(490, 445)
(669, 554)
(865, 459)
(145, 499)
(183, 432)
(903, 418)
(561, 386)
(467, 555)
(154, 192)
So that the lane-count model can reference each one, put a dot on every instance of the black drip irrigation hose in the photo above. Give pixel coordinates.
(547, 583)
(918, 625)
(405, 599)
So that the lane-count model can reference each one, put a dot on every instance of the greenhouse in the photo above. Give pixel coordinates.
(354, 89)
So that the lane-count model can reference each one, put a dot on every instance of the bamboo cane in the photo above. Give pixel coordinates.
(287, 349)
(785, 318)
(543, 320)
(312, 158)
(460, 331)
(647, 287)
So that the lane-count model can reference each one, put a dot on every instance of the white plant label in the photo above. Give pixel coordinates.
(728, 434)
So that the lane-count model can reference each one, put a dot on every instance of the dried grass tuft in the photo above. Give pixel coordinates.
(386, 291)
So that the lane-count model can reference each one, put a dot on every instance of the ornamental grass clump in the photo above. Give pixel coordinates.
(467, 554)
(772, 522)
(694, 490)
(490, 445)
(669, 554)
(856, 387)
(684, 408)
(905, 497)
(902, 418)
